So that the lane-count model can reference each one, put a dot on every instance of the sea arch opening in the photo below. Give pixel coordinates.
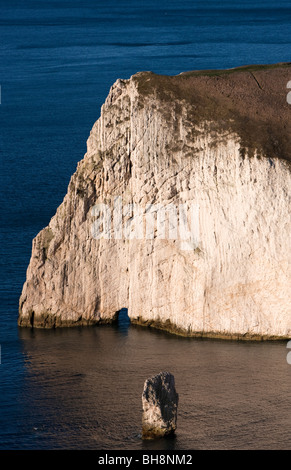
(122, 319)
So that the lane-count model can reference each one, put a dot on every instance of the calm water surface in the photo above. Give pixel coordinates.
(82, 388)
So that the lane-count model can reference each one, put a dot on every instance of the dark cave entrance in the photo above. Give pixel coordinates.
(123, 320)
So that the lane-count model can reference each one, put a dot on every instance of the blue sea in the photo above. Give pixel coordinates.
(81, 388)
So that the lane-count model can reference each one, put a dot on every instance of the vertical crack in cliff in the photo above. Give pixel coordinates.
(257, 82)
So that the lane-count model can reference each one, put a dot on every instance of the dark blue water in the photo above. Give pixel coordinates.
(58, 60)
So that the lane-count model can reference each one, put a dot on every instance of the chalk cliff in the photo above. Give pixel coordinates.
(218, 141)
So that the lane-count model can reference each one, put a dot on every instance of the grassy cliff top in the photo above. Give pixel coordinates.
(249, 100)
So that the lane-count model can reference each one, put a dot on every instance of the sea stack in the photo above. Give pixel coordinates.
(160, 404)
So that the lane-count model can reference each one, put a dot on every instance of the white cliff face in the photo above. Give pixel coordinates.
(235, 282)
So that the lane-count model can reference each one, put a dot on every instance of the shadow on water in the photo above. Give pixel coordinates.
(165, 443)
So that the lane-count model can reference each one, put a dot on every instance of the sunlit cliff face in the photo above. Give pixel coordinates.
(217, 141)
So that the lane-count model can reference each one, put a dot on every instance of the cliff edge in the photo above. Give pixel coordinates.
(214, 144)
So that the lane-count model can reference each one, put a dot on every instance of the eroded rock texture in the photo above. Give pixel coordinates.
(219, 140)
(160, 405)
